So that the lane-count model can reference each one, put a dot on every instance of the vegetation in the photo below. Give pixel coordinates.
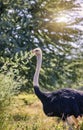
(55, 27)
(25, 113)
(8, 88)
(25, 25)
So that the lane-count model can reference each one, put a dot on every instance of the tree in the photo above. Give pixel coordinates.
(27, 24)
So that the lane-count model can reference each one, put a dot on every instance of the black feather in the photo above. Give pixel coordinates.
(62, 103)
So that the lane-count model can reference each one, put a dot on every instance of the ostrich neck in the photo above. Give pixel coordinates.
(38, 67)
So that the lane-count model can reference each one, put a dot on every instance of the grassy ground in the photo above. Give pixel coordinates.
(25, 113)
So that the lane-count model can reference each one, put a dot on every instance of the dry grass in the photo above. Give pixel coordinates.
(25, 113)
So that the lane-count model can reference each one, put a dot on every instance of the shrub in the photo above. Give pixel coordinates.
(7, 89)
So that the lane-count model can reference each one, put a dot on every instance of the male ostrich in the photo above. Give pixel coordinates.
(64, 103)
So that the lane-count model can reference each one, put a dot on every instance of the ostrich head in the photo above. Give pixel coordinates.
(37, 52)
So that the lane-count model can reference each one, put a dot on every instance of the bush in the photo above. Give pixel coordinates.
(7, 89)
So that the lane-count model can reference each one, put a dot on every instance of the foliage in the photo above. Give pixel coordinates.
(25, 25)
(8, 87)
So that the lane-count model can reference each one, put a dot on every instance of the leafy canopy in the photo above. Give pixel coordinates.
(50, 25)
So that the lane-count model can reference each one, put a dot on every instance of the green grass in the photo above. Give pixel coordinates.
(25, 113)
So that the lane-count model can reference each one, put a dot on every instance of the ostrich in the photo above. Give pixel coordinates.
(64, 103)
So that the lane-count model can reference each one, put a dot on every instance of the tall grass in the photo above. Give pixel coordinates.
(25, 113)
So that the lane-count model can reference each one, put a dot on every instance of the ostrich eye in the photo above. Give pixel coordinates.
(37, 50)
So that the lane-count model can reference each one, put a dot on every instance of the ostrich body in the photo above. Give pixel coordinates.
(62, 103)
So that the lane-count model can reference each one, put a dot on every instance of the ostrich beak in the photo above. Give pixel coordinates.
(32, 53)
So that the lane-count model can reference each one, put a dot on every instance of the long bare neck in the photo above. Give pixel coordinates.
(41, 95)
(38, 67)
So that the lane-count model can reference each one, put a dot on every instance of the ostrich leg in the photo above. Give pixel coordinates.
(72, 120)
(69, 125)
